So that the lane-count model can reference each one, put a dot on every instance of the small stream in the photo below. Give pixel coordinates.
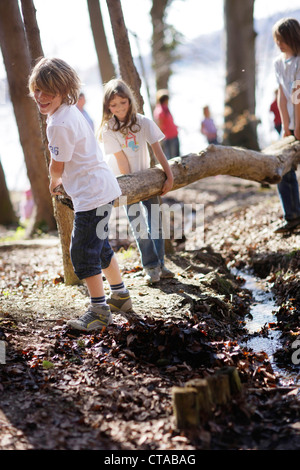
(262, 313)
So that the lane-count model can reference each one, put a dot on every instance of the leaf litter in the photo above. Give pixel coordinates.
(61, 389)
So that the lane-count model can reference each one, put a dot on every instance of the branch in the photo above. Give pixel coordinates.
(266, 166)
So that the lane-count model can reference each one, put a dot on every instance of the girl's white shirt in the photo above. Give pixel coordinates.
(86, 178)
(287, 71)
(133, 144)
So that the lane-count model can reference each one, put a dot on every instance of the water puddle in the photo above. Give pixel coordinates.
(261, 326)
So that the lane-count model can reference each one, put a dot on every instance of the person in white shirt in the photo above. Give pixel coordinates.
(77, 163)
(125, 135)
(286, 34)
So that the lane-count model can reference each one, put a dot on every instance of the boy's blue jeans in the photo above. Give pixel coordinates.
(146, 223)
(288, 190)
(90, 249)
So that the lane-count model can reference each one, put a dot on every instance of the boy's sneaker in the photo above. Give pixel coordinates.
(120, 301)
(95, 318)
(165, 273)
(152, 275)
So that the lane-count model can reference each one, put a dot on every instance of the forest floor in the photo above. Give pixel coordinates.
(112, 390)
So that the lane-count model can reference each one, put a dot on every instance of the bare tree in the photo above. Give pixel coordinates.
(7, 213)
(17, 63)
(106, 66)
(63, 215)
(164, 42)
(240, 120)
(32, 30)
(127, 68)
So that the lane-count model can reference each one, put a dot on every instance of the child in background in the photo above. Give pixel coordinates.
(81, 106)
(77, 163)
(208, 127)
(275, 110)
(286, 34)
(27, 206)
(165, 122)
(125, 134)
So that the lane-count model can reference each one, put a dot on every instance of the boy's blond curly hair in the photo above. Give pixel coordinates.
(56, 77)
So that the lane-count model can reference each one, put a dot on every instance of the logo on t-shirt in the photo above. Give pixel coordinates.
(131, 142)
(54, 150)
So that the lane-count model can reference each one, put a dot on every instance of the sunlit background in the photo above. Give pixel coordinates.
(198, 78)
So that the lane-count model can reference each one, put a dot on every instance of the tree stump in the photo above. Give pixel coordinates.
(219, 388)
(205, 401)
(194, 403)
(185, 407)
(234, 379)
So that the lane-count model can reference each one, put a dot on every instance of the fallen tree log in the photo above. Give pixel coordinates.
(267, 166)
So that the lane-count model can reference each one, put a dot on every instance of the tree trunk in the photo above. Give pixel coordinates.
(7, 213)
(128, 71)
(107, 70)
(17, 63)
(240, 120)
(63, 215)
(161, 56)
(32, 31)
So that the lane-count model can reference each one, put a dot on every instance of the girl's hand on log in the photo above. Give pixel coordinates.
(168, 184)
(297, 133)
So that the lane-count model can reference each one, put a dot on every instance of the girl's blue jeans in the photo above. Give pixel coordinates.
(288, 190)
(146, 223)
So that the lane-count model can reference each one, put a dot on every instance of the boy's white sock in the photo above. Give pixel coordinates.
(98, 300)
(118, 288)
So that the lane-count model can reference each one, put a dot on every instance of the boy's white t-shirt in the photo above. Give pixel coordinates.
(134, 144)
(86, 178)
(287, 71)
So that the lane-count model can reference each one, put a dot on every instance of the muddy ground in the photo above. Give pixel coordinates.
(62, 390)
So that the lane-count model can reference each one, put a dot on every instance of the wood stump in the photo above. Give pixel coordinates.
(194, 403)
